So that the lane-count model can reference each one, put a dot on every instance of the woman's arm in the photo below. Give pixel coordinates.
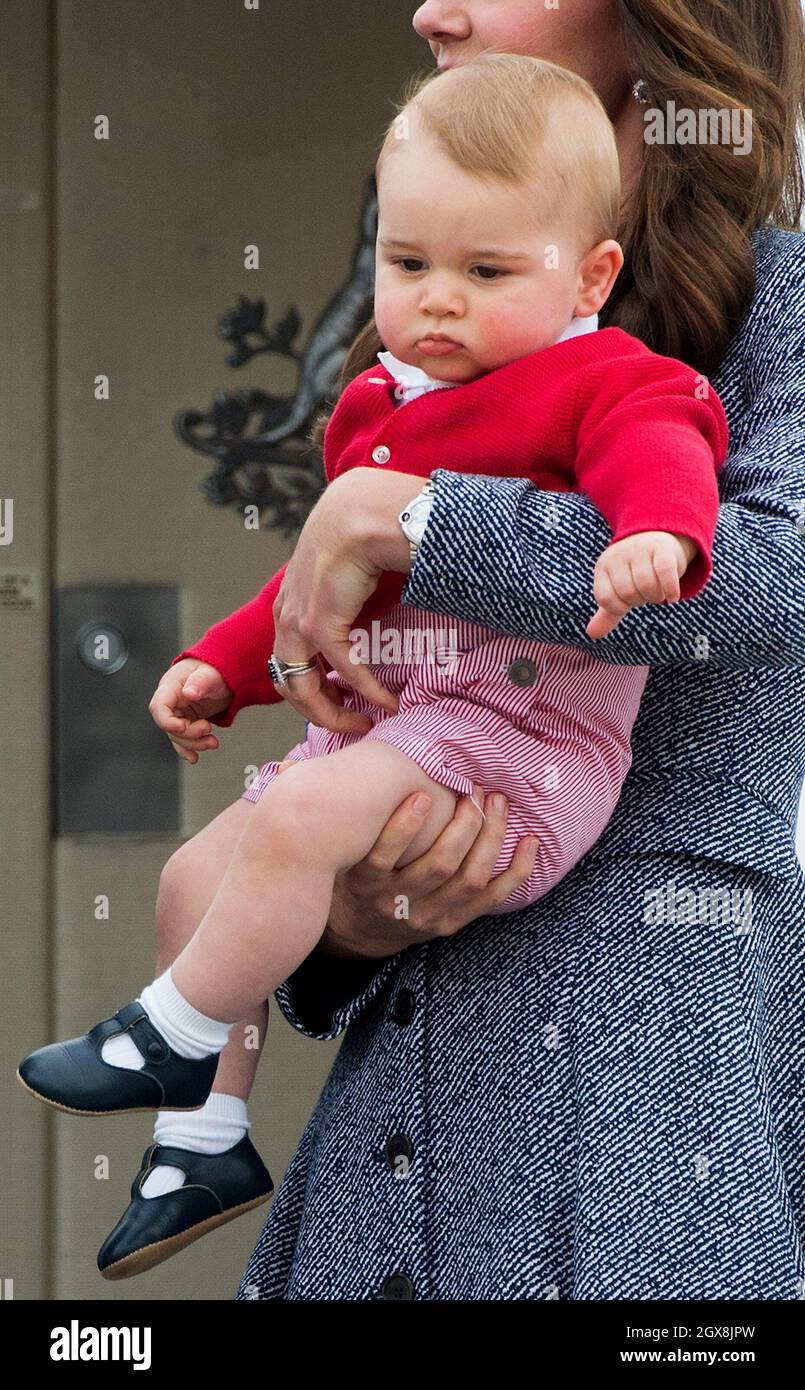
(502, 553)
(526, 569)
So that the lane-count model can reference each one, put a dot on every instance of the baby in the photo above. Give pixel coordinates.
(499, 193)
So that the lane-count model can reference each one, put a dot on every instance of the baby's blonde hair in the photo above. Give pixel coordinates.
(523, 121)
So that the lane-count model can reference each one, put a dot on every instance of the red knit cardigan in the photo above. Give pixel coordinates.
(642, 435)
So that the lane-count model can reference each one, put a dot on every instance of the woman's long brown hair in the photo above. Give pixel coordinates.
(688, 273)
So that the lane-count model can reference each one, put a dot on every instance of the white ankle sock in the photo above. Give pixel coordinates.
(217, 1126)
(188, 1032)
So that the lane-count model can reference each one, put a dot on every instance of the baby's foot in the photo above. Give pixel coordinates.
(77, 1077)
(216, 1189)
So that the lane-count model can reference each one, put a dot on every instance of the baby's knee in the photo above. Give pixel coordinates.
(291, 805)
(177, 871)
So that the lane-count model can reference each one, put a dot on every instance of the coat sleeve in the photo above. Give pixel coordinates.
(502, 553)
(323, 996)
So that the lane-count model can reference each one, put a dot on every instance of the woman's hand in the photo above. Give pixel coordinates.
(351, 536)
(445, 888)
(187, 695)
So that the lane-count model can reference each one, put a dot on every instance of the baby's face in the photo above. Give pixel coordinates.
(468, 259)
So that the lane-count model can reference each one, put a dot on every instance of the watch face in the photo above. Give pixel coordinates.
(414, 517)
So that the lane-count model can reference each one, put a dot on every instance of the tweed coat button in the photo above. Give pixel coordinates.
(522, 672)
(398, 1286)
(381, 454)
(403, 1005)
(154, 1050)
(397, 1147)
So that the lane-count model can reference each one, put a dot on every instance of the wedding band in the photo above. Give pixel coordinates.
(280, 671)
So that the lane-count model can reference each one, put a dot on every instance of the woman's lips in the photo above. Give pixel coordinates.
(437, 347)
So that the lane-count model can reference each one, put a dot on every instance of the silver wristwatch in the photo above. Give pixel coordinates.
(414, 518)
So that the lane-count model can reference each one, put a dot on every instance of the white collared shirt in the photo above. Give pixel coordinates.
(413, 382)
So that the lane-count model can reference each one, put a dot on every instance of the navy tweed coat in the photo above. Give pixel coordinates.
(601, 1096)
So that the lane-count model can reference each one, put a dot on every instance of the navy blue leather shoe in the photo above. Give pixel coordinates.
(218, 1188)
(73, 1076)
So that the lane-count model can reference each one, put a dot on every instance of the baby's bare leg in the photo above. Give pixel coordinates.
(319, 817)
(188, 883)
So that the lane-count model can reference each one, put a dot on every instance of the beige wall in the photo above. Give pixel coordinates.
(228, 127)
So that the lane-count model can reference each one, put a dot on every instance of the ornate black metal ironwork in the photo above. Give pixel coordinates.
(260, 442)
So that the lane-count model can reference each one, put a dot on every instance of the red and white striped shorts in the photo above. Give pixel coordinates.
(549, 726)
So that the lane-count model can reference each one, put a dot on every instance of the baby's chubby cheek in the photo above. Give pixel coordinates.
(504, 334)
(394, 319)
(388, 327)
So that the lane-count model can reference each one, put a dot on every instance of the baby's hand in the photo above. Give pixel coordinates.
(187, 695)
(644, 568)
